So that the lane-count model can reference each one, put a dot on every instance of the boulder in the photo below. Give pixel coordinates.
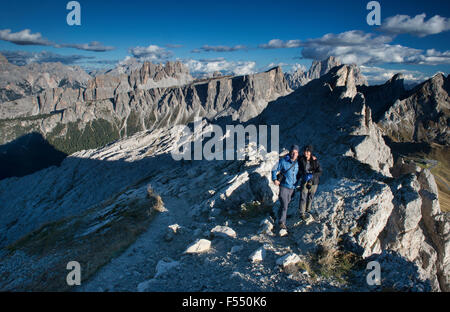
(223, 231)
(289, 259)
(199, 246)
(258, 255)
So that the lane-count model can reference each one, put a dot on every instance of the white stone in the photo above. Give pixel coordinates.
(266, 226)
(283, 233)
(289, 259)
(258, 255)
(199, 246)
(223, 231)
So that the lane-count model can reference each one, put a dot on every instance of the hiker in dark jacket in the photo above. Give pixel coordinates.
(309, 173)
(285, 176)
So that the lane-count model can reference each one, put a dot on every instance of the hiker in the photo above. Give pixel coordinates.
(309, 173)
(285, 176)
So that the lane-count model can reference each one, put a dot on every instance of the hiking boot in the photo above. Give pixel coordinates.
(302, 217)
(282, 226)
(309, 219)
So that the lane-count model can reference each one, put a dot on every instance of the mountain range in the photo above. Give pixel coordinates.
(137, 220)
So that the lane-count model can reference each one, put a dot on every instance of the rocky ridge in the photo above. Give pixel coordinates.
(364, 211)
(109, 103)
(422, 114)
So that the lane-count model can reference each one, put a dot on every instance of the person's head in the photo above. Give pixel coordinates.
(294, 152)
(307, 151)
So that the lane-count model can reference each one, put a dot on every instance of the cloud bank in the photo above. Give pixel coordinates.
(416, 26)
(23, 58)
(209, 66)
(25, 37)
(152, 53)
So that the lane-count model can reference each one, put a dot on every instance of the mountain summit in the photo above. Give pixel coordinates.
(318, 69)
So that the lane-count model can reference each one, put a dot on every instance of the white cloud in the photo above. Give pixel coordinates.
(416, 26)
(433, 57)
(94, 46)
(207, 48)
(272, 65)
(358, 47)
(22, 57)
(280, 44)
(361, 48)
(24, 37)
(151, 53)
(348, 39)
(363, 54)
(297, 67)
(378, 75)
(209, 66)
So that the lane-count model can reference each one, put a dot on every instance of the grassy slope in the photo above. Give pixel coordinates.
(92, 239)
(442, 174)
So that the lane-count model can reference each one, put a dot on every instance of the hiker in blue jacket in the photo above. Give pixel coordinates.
(285, 176)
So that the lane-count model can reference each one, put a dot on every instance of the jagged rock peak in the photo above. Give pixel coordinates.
(397, 78)
(422, 115)
(157, 71)
(347, 76)
(380, 97)
(331, 64)
(320, 68)
(435, 85)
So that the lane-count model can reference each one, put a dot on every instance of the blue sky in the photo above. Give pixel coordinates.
(232, 36)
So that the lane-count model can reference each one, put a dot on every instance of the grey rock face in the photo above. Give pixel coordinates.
(317, 70)
(423, 115)
(17, 82)
(380, 98)
(109, 99)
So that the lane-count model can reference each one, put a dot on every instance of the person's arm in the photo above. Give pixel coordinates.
(299, 175)
(299, 178)
(319, 171)
(275, 171)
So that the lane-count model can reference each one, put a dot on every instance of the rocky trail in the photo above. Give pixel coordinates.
(157, 260)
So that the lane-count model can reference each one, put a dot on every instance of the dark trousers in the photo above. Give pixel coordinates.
(306, 198)
(285, 198)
